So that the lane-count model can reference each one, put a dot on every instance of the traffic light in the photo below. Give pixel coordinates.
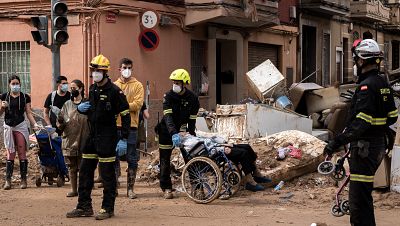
(41, 35)
(59, 22)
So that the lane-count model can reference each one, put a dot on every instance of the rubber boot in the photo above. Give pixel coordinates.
(23, 169)
(259, 178)
(131, 183)
(251, 185)
(9, 172)
(73, 176)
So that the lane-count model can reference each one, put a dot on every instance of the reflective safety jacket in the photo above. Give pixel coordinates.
(107, 102)
(372, 109)
(180, 112)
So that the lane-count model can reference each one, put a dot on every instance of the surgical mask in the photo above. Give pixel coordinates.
(126, 73)
(64, 88)
(97, 76)
(15, 88)
(176, 88)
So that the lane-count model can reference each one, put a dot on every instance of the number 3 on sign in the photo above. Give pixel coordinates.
(149, 19)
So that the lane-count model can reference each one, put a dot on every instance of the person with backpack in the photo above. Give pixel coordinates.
(55, 101)
(15, 105)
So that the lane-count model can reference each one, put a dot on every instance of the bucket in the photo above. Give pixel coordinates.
(395, 170)
(283, 102)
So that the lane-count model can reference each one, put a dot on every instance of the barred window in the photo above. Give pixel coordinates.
(15, 60)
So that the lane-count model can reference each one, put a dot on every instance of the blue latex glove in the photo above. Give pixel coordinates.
(176, 140)
(122, 147)
(84, 106)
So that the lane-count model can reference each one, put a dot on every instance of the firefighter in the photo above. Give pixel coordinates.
(106, 101)
(180, 107)
(372, 111)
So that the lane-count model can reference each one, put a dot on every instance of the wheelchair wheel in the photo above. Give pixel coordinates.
(231, 181)
(202, 180)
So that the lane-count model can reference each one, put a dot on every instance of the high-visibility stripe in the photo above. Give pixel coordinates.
(109, 159)
(123, 113)
(371, 120)
(165, 146)
(361, 178)
(90, 156)
(183, 128)
(193, 116)
(393, 114)
(167, 111)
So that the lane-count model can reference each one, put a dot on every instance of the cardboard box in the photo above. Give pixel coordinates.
(382, 175)
(321, 99)
(297, 95)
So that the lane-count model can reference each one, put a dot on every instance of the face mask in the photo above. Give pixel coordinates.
(15, 88)
(126, 73)
(74, 93)
(64, 88)
(176, 88)
(97, 76)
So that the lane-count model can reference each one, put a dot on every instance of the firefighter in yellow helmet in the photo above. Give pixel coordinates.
(106, 101)
(180, 107)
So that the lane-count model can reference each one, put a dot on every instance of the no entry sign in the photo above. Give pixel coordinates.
(148, 39)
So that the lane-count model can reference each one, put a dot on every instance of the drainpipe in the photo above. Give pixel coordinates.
(85, 54)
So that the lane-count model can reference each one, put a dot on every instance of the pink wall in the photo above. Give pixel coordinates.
(71, 56)
(120, 39)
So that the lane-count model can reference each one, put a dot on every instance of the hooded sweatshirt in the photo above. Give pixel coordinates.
(134, 92)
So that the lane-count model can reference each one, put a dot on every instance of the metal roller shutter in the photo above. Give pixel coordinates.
(260, 52)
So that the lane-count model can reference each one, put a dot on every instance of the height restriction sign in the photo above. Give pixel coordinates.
(148, 39)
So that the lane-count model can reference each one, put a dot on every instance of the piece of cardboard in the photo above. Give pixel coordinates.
(382, 175)
(297, 90)
(321, 99)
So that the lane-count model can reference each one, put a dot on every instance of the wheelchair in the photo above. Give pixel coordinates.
(208, 173)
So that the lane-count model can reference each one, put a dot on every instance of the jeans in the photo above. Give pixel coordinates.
(132, 154)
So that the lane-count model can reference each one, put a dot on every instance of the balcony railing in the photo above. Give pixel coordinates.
(372, 10)
(331, 7)
(239, 13)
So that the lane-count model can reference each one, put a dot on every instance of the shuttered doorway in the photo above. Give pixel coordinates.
(260, 52)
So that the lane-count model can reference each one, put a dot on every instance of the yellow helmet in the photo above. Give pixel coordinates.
(180, 75)
(100, 62)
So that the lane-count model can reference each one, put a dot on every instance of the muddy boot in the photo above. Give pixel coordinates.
(168, 194)
(259, 178)
(104, 214)
(23, 168)
(9, 172)
(73, 176)
(251, 185)
(131, 184)
(80, 213)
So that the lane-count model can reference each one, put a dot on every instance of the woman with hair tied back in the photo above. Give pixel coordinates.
(75, 130)
(15, 105)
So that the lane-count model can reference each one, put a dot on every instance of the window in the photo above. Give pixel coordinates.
(15, 59)
(198, 62)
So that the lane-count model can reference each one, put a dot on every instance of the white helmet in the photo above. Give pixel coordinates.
(368, 48)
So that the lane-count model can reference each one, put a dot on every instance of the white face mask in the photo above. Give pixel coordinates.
(126, 73)
(97, 76)
(176, 88)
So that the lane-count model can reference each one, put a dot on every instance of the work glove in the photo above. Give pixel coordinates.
(122, 147)
(176, 140)
(84, 106)
(331, 147)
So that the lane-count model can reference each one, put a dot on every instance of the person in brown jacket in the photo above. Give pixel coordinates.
(75, 130)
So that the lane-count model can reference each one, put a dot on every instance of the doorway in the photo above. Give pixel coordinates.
(226, 70)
